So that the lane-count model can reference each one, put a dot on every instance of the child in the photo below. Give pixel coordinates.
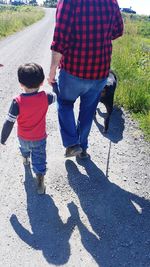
(30, 108)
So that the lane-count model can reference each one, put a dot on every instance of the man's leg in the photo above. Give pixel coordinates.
(67, 122)
(68, 91)
(88, 104)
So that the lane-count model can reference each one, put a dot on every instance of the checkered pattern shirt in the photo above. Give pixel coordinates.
(83, 34)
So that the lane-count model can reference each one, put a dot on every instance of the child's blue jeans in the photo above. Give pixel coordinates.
(37, 151)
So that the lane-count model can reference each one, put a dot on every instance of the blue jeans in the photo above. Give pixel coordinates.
(69, 89)
(37, 151)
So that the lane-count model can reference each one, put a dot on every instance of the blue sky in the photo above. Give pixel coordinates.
(140, 6)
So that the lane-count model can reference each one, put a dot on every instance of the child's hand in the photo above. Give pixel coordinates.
(1, 149)
(2, 144)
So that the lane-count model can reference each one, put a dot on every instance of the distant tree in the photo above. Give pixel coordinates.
(33, 2)
(50, 3)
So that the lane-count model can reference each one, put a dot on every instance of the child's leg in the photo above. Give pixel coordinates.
(38, 156)
(24, 147)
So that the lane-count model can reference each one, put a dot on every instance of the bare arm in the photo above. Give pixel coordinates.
(55, 60)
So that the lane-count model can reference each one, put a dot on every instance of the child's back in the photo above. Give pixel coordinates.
(29, 109)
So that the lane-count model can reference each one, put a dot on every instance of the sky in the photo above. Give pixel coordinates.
(142, 7)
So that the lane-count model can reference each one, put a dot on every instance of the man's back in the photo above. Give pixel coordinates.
(83, 34)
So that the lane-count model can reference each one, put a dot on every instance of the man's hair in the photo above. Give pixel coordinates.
(30, 75)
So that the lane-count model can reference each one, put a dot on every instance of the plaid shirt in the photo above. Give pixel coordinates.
(83, 34)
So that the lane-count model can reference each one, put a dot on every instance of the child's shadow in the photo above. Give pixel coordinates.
(119, 219)
(116, 124)
(49, 234)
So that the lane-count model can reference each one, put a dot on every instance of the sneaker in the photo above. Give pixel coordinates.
(73, 151)
(84, 154)
(26, 161)
(41, 188)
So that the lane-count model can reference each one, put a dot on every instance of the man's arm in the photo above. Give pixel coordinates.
(9, 123)
(62, 35)
(55, 60)
(118, 25)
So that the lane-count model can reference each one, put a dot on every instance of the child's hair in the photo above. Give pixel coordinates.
(31, 75)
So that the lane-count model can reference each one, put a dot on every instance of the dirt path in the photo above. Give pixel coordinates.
(95, 212)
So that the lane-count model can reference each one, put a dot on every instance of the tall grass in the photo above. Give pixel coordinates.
(15, 18)
(131, 61)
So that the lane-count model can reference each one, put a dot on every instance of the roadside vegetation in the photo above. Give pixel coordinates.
(15, 18)
(131, 61)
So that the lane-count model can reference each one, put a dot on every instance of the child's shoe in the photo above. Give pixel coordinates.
(41, 188)
(26, 161)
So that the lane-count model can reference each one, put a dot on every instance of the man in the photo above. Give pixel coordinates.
(82, 48)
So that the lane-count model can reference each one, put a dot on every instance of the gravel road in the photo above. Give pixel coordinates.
(95, 212)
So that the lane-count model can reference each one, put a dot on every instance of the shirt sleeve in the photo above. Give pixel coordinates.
(118, 24)
(10, 120)
(13, 111)
(6, 130)
(51, 98)
(63, 27)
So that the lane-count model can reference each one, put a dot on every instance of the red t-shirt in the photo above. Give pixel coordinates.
(32, 116)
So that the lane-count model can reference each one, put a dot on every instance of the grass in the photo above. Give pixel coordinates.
(15, 18)
(131, 61)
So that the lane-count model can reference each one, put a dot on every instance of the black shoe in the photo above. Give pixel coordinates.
(84, 154)
(73, 151)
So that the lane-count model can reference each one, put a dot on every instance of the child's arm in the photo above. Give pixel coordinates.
(6, 130)
(9, 123)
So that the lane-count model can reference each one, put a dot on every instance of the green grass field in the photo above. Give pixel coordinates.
(15, 18)
(131, 61)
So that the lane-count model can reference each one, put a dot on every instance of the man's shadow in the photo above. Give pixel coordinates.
(48, 233)
(116, 124)
(120, 219)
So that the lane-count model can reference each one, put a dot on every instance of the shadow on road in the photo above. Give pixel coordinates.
(116, 125)
(49, 234)
(119, 219)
